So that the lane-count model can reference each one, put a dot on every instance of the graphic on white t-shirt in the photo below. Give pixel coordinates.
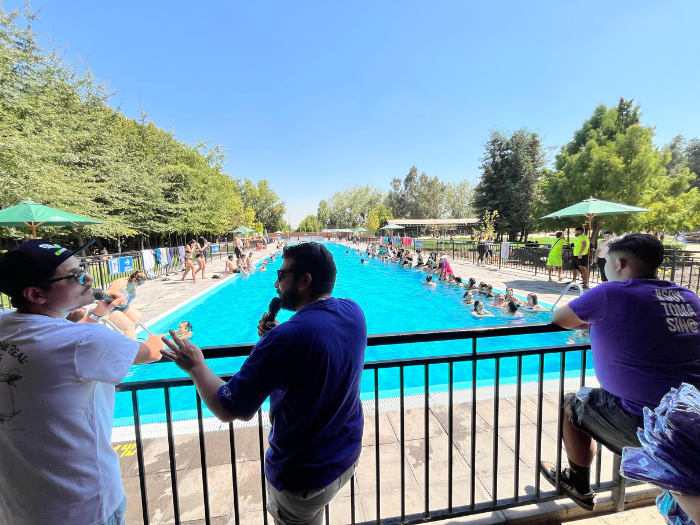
(7, 399)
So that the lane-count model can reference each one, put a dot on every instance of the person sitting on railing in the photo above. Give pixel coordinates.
(310, 367)
(56, 463)
(645, 341)
(479, 311)
(533, 304)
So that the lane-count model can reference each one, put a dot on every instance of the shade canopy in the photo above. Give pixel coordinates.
(392, 227)
(592, 207)
(278, 232)
(242, 229)
(361, 230)
(33, 214)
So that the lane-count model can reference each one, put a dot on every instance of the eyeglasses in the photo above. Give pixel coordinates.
(281, 274)
(79, 275)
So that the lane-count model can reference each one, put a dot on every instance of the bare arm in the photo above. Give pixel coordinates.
(149, 350)
(565, 317)
(191, 360)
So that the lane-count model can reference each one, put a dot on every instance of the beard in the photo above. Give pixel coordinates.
(290, 300)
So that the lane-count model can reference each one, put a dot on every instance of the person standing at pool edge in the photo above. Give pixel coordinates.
(310, 366)
(56, 461)
(581, 247)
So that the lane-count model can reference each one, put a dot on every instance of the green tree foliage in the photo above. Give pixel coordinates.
(511, 170)
(684, 154)
(309, 224)
(424, 197)
(63, 145)
(613, 157)
(350, 207)
(268, 207)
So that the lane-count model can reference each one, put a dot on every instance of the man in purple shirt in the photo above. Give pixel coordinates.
(645, 341)
(310, 366)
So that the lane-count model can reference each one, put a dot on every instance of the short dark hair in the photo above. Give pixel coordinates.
(512, 307)
(315, 259)
(559, 234)
(578, 228)
(606, 232)
(645, 248)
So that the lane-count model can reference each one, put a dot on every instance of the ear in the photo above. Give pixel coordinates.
(304, 282)
(34, 295)
(621, 264)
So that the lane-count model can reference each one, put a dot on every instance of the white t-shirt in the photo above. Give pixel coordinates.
(56, 409)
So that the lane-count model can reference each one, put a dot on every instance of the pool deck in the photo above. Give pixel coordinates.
(156, 298)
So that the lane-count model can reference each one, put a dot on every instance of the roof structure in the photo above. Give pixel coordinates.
(434, 222)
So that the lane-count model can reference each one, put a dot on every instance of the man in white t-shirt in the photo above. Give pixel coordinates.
(57, 393)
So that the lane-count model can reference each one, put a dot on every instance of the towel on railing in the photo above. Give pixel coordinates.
(181, 251)
(148, 262)
(505, 250)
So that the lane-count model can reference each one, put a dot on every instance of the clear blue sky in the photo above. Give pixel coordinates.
(315, 96)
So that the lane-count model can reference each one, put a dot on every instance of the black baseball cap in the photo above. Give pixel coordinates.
(32, 264)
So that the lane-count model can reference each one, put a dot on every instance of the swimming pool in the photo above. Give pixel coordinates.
(392, 299)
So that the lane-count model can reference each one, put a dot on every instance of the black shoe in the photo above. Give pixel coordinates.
(549, 471)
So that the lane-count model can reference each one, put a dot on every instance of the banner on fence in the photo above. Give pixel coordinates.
(120, 265)
(419, 244)
(214, 248)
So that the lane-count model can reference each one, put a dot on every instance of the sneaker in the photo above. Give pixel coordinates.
(549, 471)
(585, 287)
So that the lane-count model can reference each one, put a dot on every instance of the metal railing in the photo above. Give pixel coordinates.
(461, 368)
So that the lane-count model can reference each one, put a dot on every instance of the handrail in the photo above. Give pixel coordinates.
(570, 285)
(397, 338)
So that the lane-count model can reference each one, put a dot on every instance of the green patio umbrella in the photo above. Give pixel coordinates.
(593, 207)
(358, 230)
(243, 229)
(392, 227)
(33, 214)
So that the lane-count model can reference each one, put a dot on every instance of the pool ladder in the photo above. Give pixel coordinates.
(571, 284)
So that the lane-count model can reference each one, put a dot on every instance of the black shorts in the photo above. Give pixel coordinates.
(582, 262)
(237, 251)
(600, 414)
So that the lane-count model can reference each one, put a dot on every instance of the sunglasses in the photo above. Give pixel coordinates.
(281, 274)
(79, 275)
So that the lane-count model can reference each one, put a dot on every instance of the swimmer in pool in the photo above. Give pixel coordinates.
(499, 301)
(468, 298)
(184, 330)
(512, 310)
(533, 304)
(479, 311)
(429, 281)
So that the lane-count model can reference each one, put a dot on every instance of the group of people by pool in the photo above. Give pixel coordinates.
(478, 295)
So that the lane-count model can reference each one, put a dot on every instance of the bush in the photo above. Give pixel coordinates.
(670, 244)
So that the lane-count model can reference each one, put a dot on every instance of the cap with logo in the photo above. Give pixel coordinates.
(32, 264)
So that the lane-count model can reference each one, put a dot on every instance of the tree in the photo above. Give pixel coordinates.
(378, 217)
(458, 199)
(309, 224)
(269, 209)
(511, 170)
(621, 164)
(350, 207)
(684, 154)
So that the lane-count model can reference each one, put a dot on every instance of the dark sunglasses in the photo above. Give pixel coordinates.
(78, 275)
(281, 274)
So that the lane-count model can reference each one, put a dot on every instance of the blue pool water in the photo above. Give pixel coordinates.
(392, 299)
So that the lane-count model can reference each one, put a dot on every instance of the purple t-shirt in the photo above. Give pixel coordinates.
(311, 367)
(644, 337)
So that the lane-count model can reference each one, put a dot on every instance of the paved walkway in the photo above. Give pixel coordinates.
(156, 297)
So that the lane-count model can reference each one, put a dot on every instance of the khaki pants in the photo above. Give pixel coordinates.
(305, 506)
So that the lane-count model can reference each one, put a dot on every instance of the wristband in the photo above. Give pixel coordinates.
(94, 317)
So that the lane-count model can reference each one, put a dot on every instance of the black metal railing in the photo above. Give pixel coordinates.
(461, 369)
